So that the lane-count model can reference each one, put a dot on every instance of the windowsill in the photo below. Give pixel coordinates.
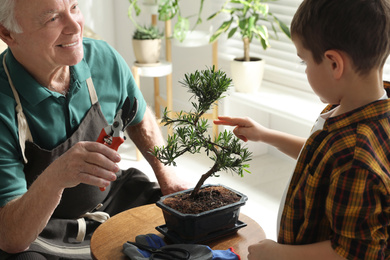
(285, 102)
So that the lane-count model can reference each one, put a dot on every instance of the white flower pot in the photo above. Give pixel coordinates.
(194, 39)
(150, 6)
(147, 51)
(247, 75)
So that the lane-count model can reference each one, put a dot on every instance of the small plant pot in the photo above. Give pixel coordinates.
(147, 51)
(196, 228)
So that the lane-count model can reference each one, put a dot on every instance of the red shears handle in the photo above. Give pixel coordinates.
(112, 142)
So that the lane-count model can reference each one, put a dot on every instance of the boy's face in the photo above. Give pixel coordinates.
(318, 75)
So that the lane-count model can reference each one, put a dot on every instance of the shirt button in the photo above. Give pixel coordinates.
(74, 122)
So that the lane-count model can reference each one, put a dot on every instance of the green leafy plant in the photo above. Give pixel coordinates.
(245, 17)
(167, 10)
(147, 33)
(191, 130)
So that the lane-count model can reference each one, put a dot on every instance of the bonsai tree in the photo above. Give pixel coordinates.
(190, 132)
(167, 10)
(244, 17)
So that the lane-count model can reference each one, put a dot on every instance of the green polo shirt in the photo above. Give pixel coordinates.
(52, 117)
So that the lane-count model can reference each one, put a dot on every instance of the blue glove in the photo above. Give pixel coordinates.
(199, 252)
(228, 254)
(135, 253)
(151, 240)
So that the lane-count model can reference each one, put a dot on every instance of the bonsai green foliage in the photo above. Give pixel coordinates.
(244, 17)
(167, 10)
(190, 132)
(147, 33)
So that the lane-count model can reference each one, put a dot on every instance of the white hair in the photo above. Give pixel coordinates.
(7, 16)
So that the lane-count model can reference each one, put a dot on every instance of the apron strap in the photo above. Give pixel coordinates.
(23, 129)
(98, 216)
(92, 91)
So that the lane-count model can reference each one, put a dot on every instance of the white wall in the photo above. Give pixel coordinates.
(99, 16)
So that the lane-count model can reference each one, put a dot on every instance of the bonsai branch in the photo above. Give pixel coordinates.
(202, 179)
(190, 129)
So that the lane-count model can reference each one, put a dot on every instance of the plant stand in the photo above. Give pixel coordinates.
(162, 69)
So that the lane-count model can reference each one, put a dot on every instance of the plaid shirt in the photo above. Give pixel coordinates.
(340, 189)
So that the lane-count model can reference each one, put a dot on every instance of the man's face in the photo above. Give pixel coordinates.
(52, 32)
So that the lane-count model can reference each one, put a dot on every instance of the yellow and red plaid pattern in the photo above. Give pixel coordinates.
(340, 190)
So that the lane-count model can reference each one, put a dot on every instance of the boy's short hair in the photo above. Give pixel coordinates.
(360, 28)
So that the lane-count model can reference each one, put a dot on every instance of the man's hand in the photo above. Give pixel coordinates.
(172, 183)
(86, 162)
(90, 163)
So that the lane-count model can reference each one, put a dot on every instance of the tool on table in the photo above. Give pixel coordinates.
(169, 253)
(113, 135)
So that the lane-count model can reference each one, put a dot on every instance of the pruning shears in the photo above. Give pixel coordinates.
(113, 135)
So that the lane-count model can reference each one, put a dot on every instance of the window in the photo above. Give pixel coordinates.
(282, 64)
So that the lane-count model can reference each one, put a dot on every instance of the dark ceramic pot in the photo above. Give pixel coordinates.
(196, 228)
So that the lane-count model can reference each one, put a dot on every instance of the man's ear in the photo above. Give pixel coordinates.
(5, 35)
(336, 61)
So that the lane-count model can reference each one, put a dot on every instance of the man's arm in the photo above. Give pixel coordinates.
(24, 218)
(146, 135)
(270, 250)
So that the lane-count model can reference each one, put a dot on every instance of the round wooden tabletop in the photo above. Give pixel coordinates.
(108, 239)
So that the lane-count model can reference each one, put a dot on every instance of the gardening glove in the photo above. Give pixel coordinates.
(199, 252)
(227, 254)
(136, 253)
(133, 252)
(146, 245)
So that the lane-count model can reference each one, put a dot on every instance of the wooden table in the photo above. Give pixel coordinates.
(108, 239)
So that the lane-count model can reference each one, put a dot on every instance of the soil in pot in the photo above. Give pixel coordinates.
(208, 198)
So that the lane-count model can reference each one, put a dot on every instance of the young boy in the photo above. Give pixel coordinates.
(337, 205)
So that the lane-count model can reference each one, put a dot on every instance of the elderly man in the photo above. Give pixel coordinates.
(57, 92)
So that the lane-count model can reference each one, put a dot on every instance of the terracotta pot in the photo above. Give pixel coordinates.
(147, 51)
(195, 228)
(247, 75)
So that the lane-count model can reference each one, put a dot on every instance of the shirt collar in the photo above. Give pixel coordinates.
(30, 90)
(373, 111)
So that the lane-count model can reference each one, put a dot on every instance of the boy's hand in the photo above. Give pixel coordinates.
(264, 250)
(270, 250)
(245, 128)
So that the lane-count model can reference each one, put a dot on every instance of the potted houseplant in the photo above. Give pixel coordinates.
(168, 10)
(245, 17)
(147, 45)
(225, 150)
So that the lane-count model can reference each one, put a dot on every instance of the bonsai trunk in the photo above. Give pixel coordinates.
(246, 48)
(202, 179)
